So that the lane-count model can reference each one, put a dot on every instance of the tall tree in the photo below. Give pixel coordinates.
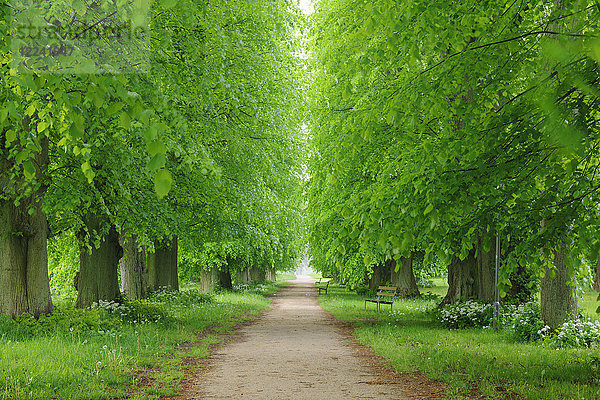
(436, 126)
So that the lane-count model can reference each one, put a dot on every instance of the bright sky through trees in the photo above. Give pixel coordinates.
(306, 6)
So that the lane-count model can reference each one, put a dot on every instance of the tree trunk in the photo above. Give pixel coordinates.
(381, 274)
(558, 301)
(134, 269)
(597, 276)
(209, 280)
(404, 278)
(225, 278)
(271, 275)
(162, 267)
(462, 279)
(24, 282)
(257, 274)
(486, 271)
(243, 276)
(97, 278)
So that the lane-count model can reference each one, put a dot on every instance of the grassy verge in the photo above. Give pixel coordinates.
(473, 362)
(285, 277)
(94, 354)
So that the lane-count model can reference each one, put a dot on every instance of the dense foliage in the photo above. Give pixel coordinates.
(188, 129)
(436, 125)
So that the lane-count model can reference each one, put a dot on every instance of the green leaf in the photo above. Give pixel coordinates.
(169, 3)
(30, 110)
(113, 108)
(125, 121)
(10, 136)
(29, 169)
(151, 133)
(428, 209)
(75, 132)
(21, 156)
(42, 126)
(157, 162)
(155, 148)
(162, 183)
(77, 127)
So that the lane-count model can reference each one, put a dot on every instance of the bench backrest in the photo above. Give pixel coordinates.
(387, 291)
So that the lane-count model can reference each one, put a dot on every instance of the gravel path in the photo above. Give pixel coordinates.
(294, 351)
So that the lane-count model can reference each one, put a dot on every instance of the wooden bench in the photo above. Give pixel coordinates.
(385, 295)
(323, 288)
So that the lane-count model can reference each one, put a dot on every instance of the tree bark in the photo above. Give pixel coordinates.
(596, 284)
(97, 278)
(225, 278)
(381, 274)
(404, 278)
(271, 275)
(24, 282)
(243, 276)
(162, 267)
(462, 279)
(558, 301)
(209, 280)
(134, 269)
(486, 268)
(257, 274)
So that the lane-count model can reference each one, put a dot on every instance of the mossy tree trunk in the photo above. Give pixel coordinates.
(257, 274)
(243, 276)
(271, 274)
(97, 278)
(486, 270)
(462, 279)
(134, 268)
(596, 283)
(209, 280)
(162, 266)
(558, 301)
(225, 278)
(403, 277)
(474, 276)
(24, 282)
(381, 274)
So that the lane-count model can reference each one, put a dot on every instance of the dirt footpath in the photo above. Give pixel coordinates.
(294, 351)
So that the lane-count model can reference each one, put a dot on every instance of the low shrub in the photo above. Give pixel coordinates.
(133, 311)
(574, 333)
(526, 322)
(467, 314)
(64, 320)
(180, 298)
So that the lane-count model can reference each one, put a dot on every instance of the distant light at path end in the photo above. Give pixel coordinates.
(306, 6)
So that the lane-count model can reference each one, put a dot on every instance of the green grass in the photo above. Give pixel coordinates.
(588, 304)
(96, 363)
(285, 277)
(316, 276)
(493, 364)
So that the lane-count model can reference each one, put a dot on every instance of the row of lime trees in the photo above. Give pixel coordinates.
(165, 143)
